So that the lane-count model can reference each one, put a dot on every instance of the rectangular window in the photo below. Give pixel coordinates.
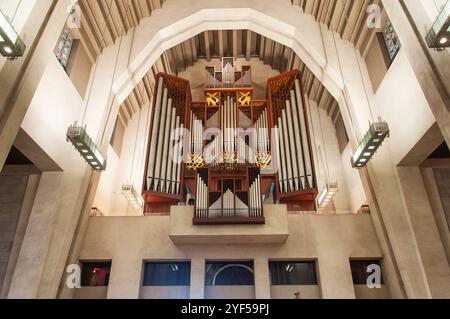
(361, 270)
(392, 42)
(167, 274)
(95, 274)
(229, 274)
(64, 48)
(293, 273)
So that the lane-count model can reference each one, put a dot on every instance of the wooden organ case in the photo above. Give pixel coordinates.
(236, 151)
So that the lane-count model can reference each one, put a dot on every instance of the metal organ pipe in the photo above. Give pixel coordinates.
(165, 151)
(298, 141)
(292, 146)
(288, 152)
(172, 171)
(277, 142)
(153, 142)
(173, 126)
(305, 142)
(159, 150)
(180, 163)
(283, 156)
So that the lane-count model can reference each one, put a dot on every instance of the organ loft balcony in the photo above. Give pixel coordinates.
(216, 162)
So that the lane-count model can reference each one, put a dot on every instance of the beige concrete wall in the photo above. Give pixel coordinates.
(164, 293)
(363, 292)
(230, 292)
(288, 292)
(12, 193)
(91, 293)
(81, 69)
(331, 239)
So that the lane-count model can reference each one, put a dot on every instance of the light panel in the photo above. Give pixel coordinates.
(86, 147)
(11, 46)
(370, 143)
(327, 195)
(132, 196)
(439, 36)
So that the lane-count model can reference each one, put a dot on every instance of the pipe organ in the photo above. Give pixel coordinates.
(236, 150)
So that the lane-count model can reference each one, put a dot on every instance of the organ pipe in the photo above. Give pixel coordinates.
(298, 141)
(155, 129)
(292, 146)
(287, 151)
(165, 152)
(283, 156)
(305, 142)
(160, 144)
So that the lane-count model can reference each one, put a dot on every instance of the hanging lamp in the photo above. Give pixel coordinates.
(11, 45)
(438, 37)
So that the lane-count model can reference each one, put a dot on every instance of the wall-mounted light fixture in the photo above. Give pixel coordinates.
(439, 36)
(327, 195)
(370, 144)
(86, 147)
(11, 45)
(132, 196)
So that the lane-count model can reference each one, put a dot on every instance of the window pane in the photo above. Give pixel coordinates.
(359, 271)
(95, 274)
(167, 274)
(293, 273)
(229, 274)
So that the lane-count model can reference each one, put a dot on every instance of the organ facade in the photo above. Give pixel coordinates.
(232, 153)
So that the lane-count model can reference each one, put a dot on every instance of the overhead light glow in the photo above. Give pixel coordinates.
(327, 195)
(370, 143)
(437, 37)
(83, 143)
(132, 196)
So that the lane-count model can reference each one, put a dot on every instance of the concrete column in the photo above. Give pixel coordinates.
(197, 278)
(434, 195)
(30, 264)
(430, 67)
(262, 278)
(125, 279)
(335, 277)
(429, 243)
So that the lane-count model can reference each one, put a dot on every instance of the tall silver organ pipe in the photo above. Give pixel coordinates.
(163, 174)
(154, 137)
(294, 150)
(159, 150)
(295, 171)
(201, 201)
(283, 164)
(305, 143)
(255, 200)
(197, 130)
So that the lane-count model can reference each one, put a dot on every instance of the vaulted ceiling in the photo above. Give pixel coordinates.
(103, 21)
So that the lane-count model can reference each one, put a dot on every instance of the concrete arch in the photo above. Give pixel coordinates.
(180, 20)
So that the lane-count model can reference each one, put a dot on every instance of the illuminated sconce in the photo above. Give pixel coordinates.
(439, 36)
(132, 196)
(86, 147)
(370, 144)
(327, 195)
(11, 46)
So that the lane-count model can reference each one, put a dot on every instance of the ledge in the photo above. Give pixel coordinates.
(274, 231)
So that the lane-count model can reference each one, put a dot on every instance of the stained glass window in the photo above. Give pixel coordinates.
(392, 42)
(64, 48)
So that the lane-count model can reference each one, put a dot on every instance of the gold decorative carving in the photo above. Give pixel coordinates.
(195, 162)
(263, 160)
(244, 98)
(213, 98)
